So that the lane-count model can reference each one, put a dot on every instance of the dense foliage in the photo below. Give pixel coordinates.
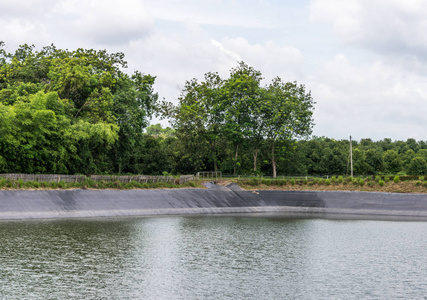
(222, 119)
(71, 112)
(314, 156)
(78, 112)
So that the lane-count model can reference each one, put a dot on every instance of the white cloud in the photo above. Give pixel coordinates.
(23, 22)
(271, 59)
(375, 100)
(241, 13)
(376, 88)
(24, 8)
(104, 22)
(192, 53)
(386, 26)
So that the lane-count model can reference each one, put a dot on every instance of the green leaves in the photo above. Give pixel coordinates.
(66, 110)
(240, 111)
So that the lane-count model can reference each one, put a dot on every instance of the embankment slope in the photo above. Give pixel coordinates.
(215, 200)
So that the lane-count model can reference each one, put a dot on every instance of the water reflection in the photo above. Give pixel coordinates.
(212, 258)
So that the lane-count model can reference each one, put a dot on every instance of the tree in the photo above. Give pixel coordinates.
(71, 111)
(133, 104)
(196, 121)
(417, 166)
(374, 161)
(393, 162)
(238, 108)
(157, 130)
(289, 114)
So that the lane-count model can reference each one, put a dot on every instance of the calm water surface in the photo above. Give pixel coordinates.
(213, 258)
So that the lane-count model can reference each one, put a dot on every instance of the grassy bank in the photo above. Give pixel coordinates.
(392, 184)
(8, 184)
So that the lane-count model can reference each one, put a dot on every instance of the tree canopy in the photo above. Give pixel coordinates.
(71, 111)
(79, 112)
(241, 112)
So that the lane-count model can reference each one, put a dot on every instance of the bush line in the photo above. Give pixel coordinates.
(90, 184)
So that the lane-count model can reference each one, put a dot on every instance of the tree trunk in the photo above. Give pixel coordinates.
(255, 154)
(213, 146)
(235, 159)
(273, 160)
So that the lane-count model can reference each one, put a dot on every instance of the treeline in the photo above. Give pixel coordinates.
(78, 112)
(312, 157)
(72, 112)
(224, 119)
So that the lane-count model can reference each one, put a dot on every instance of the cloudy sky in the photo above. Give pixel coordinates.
(364, 61)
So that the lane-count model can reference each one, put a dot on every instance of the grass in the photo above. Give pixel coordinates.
(339, 184)
(393, 185)
(90, 184)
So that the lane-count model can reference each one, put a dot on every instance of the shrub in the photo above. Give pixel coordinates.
(370, 183)
(381, 182)
(361, 182)
(327, 182)
(292, 181)
(192, 184)
(418, 183)
(320, 181)
(421, 178)
(396, 179)
(305, 182)
(36, 184)
(266, 182)
(27, 184)
(355, 181)
(117, 184)
(333, 179)
(425, 184)
(128, 186)
(386, 179)
(281, 182)
(253, 181)
(340, 179)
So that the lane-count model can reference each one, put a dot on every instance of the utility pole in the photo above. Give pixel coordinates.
(351, 158)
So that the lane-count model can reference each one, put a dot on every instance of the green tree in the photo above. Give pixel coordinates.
(134, 102)
(157, 130)
(239, 102)
(374, 161)
(393, 162)
(71, 111)
(197, 123)
(289, 115)
(417, 166)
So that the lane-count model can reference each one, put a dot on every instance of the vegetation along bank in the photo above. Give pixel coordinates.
(81, 112)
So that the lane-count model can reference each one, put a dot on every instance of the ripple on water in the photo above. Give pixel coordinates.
(212, 258)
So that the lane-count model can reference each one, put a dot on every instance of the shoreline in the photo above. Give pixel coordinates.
(215, 200)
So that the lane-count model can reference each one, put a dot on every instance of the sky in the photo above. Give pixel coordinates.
(364, 61)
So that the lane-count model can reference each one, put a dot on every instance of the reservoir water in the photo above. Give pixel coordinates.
(213, 258)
